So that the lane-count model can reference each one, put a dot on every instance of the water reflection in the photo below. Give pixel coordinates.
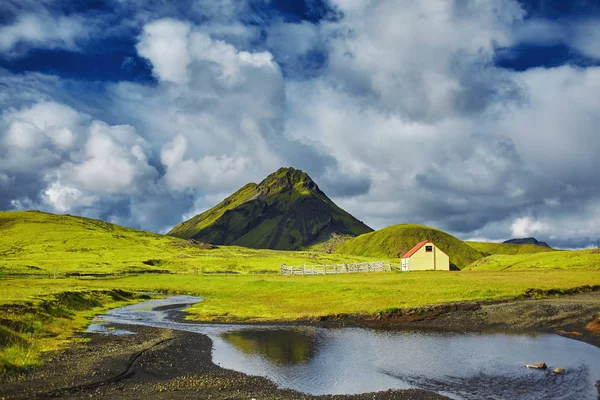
(280, 346)
(469, 366)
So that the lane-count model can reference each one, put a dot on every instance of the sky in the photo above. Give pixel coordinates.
(478, 117)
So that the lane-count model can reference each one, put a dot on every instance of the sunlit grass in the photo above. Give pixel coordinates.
(34, 321)
(565, 260)
(272, 297)
(508, 248)
(47, 244)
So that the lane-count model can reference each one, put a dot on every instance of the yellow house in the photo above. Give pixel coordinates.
(425, 256)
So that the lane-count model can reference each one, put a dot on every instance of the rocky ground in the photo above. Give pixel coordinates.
(166, 364)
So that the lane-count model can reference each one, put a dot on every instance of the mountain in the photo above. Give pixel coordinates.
(529, 240)
(396, 240)
(286, 211)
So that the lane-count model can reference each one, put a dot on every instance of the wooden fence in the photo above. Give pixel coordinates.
(326, 269)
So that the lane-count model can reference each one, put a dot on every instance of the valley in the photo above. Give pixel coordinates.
(57, 272)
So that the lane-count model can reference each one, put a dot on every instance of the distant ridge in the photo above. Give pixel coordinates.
(529, 240)
(286, 211)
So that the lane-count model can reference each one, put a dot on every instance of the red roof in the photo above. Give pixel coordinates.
(416, 248)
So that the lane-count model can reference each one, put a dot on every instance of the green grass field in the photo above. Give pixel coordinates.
(39, 312)
(488, 248)
(38, 316)
(559, 260)
(41, 243)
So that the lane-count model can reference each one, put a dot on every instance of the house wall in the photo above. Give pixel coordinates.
(442, 261)
(422, 260)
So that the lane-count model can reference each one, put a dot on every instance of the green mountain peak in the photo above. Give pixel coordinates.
(288, 179)
(286, 211)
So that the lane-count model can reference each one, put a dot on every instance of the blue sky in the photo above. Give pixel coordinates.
(477, 117)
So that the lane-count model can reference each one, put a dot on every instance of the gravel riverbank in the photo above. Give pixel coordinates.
(154, 363)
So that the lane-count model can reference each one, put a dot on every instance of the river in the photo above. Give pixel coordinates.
(314, 360)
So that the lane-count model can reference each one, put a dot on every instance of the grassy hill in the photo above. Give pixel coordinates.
(394, 241)
(40, 243)
(563, 260)
(286, 211)
(507, 248)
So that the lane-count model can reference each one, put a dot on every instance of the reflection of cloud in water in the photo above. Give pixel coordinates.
(280, 346)
(538, 384)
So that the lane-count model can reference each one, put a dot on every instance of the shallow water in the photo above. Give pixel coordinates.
(354, 360)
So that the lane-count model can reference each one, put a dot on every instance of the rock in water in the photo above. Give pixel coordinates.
(540, 365)
(558, 371)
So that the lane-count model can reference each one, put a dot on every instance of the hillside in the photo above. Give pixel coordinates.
(38, 243)
(506, 248)
(529, 240)
(571, 260)
(394, 241)
(286, 211)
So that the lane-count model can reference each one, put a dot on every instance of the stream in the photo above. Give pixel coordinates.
(318, 360)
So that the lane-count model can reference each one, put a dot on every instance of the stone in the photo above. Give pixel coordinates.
(540, 365)
(558, 371)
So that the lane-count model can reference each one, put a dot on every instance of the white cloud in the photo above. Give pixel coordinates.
(164, 43)
(587, 38)
(227, 111)
(43, 31)
(112, 160)
(526, 226)
(23, 135)
(406, 119)
(45, 120)
(63, 198)
(416, 58)
(64, 160)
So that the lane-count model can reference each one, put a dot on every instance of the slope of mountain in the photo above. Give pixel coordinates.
(508, 248)
(394, 241)
(38, 243)
(529, 240)
(286, 211)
